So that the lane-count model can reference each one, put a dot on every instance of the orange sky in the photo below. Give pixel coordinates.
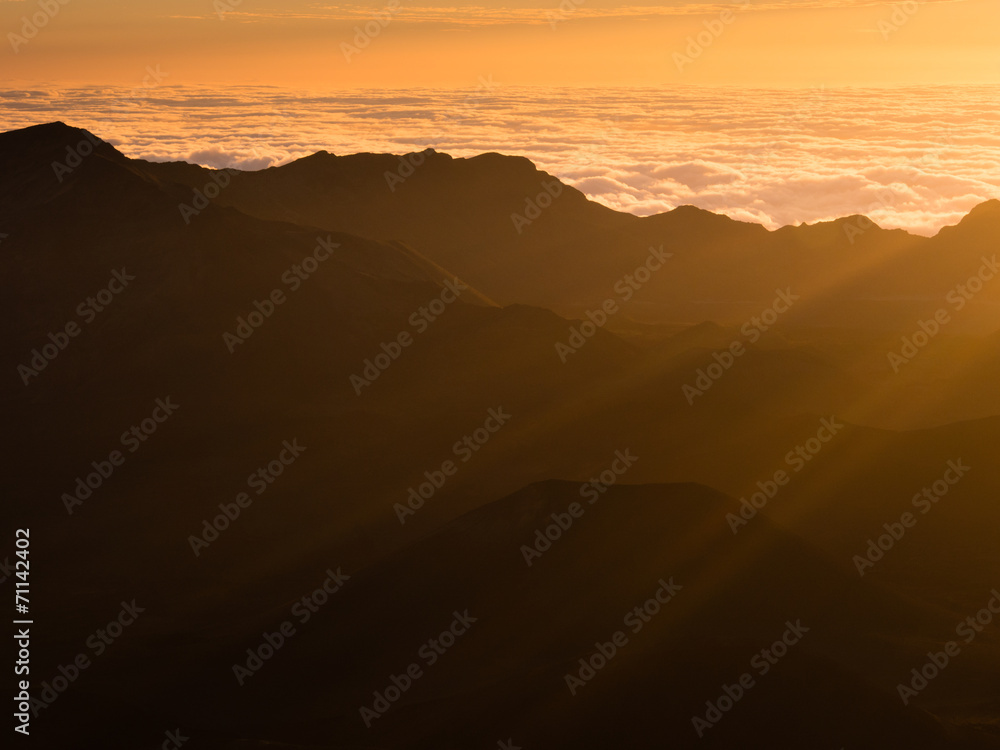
(588, 42)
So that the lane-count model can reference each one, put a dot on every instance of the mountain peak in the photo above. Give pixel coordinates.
(986, 209)
(983, 217)
(50, 132)
(505, 161)
(52, 142)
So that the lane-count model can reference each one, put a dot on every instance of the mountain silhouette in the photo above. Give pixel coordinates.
(454, 390)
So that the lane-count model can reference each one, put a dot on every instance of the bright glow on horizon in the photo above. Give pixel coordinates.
(299, 45)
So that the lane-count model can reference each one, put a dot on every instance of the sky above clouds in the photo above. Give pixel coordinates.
(529, 42)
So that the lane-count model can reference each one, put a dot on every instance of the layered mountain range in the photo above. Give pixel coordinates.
(484, 403)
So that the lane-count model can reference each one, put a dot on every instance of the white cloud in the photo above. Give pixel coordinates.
(772, 156)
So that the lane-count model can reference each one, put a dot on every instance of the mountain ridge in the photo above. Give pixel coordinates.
(59, 134)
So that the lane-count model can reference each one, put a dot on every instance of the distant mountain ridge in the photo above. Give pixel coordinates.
(207, 249)
(492, 220)
(518, 235)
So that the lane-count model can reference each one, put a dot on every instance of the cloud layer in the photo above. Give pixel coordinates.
(916, 158)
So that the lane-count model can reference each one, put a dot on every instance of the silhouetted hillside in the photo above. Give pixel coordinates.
(442, 390)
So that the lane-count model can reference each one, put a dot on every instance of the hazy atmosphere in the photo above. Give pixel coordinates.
(567, 375)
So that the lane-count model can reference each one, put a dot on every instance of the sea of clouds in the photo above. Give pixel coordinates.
(911, 158)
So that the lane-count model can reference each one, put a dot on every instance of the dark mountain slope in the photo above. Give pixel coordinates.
(505, 675)
(468, 214)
